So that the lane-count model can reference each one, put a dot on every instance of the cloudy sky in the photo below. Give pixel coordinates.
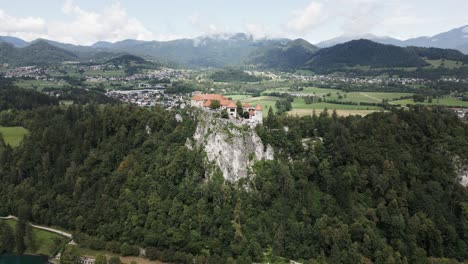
(88, 21)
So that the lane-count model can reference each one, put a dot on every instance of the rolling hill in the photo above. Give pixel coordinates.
(453, 39)
(283, 57)
(347, 38)
(209, 51)
(17, 42)
(37, 53)
(364, 53)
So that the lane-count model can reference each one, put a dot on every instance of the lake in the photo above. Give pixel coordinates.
(25, 259)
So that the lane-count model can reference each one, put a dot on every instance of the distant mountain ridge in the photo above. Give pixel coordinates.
(227, 50)
(281, 56)
(364, 53)
(453, 39)
(17, 42)
(38, 52)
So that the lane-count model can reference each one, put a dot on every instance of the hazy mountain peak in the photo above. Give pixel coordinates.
(17, 42)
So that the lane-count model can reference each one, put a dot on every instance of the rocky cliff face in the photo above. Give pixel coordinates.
(232, 147)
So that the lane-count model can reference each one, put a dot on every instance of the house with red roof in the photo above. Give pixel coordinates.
(205, 101)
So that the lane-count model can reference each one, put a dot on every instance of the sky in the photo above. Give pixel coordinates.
(85, 22)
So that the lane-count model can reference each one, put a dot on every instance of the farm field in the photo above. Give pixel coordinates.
(340, 112)
(13, 136)
(301, 108)
(236, 97)
(449, 64)
(446, 101)
(306, 90)
(39, 85)
(300, 104)
(47, 243)
(354, 97)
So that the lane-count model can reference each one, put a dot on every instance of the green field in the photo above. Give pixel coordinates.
(39, 85)
(300, 107)
(449, 64)
(236, 97)
(354, 97)
(47, 243)
(446, 101)
(300, 104)
(13, 136)
(306, 90)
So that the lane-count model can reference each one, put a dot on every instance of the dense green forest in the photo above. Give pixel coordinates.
(283, 57)
(382, 188)
(233, 75)
(21, 99)
(38, 53)
(364, 53)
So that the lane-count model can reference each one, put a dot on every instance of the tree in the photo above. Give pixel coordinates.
(224, 114)
(115, 260)
(19, 237)
(6, 238)
(71, 255)
(129, 250)
(215, 104)
(239, 109)
(100, 259)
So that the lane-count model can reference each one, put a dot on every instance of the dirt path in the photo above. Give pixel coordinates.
(65, 234)
(371, 97)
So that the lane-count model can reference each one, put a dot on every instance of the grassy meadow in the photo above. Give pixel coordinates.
(446, 101)
(13, 136)
(46, 243)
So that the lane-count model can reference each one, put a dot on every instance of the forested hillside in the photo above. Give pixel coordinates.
(37, 53)
(364, 53)
(21, 99)
(340, 190)
(284, 57)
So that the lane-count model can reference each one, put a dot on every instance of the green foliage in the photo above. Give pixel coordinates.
(38, 53)
(21, 99)
(224, 114)
(13, 136)
(364, 53)
(70, 255)
(129, 250)
(115, 260)
(234, 75)
(340, 190)
(100, 259)
(215, 104)
(180, 88)
(6, 238)
(285, 57)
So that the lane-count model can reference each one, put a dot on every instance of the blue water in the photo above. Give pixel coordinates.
(25, 259)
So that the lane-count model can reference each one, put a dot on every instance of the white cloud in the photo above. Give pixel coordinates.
(257, 31)
(86, 27)
(112, 24)
(307, 19)
(10, 25)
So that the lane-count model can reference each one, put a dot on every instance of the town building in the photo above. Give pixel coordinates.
(205, 101)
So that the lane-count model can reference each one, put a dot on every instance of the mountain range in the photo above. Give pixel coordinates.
(454, 39)
(241, 49)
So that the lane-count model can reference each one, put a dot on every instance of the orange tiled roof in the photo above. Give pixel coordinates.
(206, 97)
(258, 107)
(231, 105)
(246, 105)
(207, 103)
